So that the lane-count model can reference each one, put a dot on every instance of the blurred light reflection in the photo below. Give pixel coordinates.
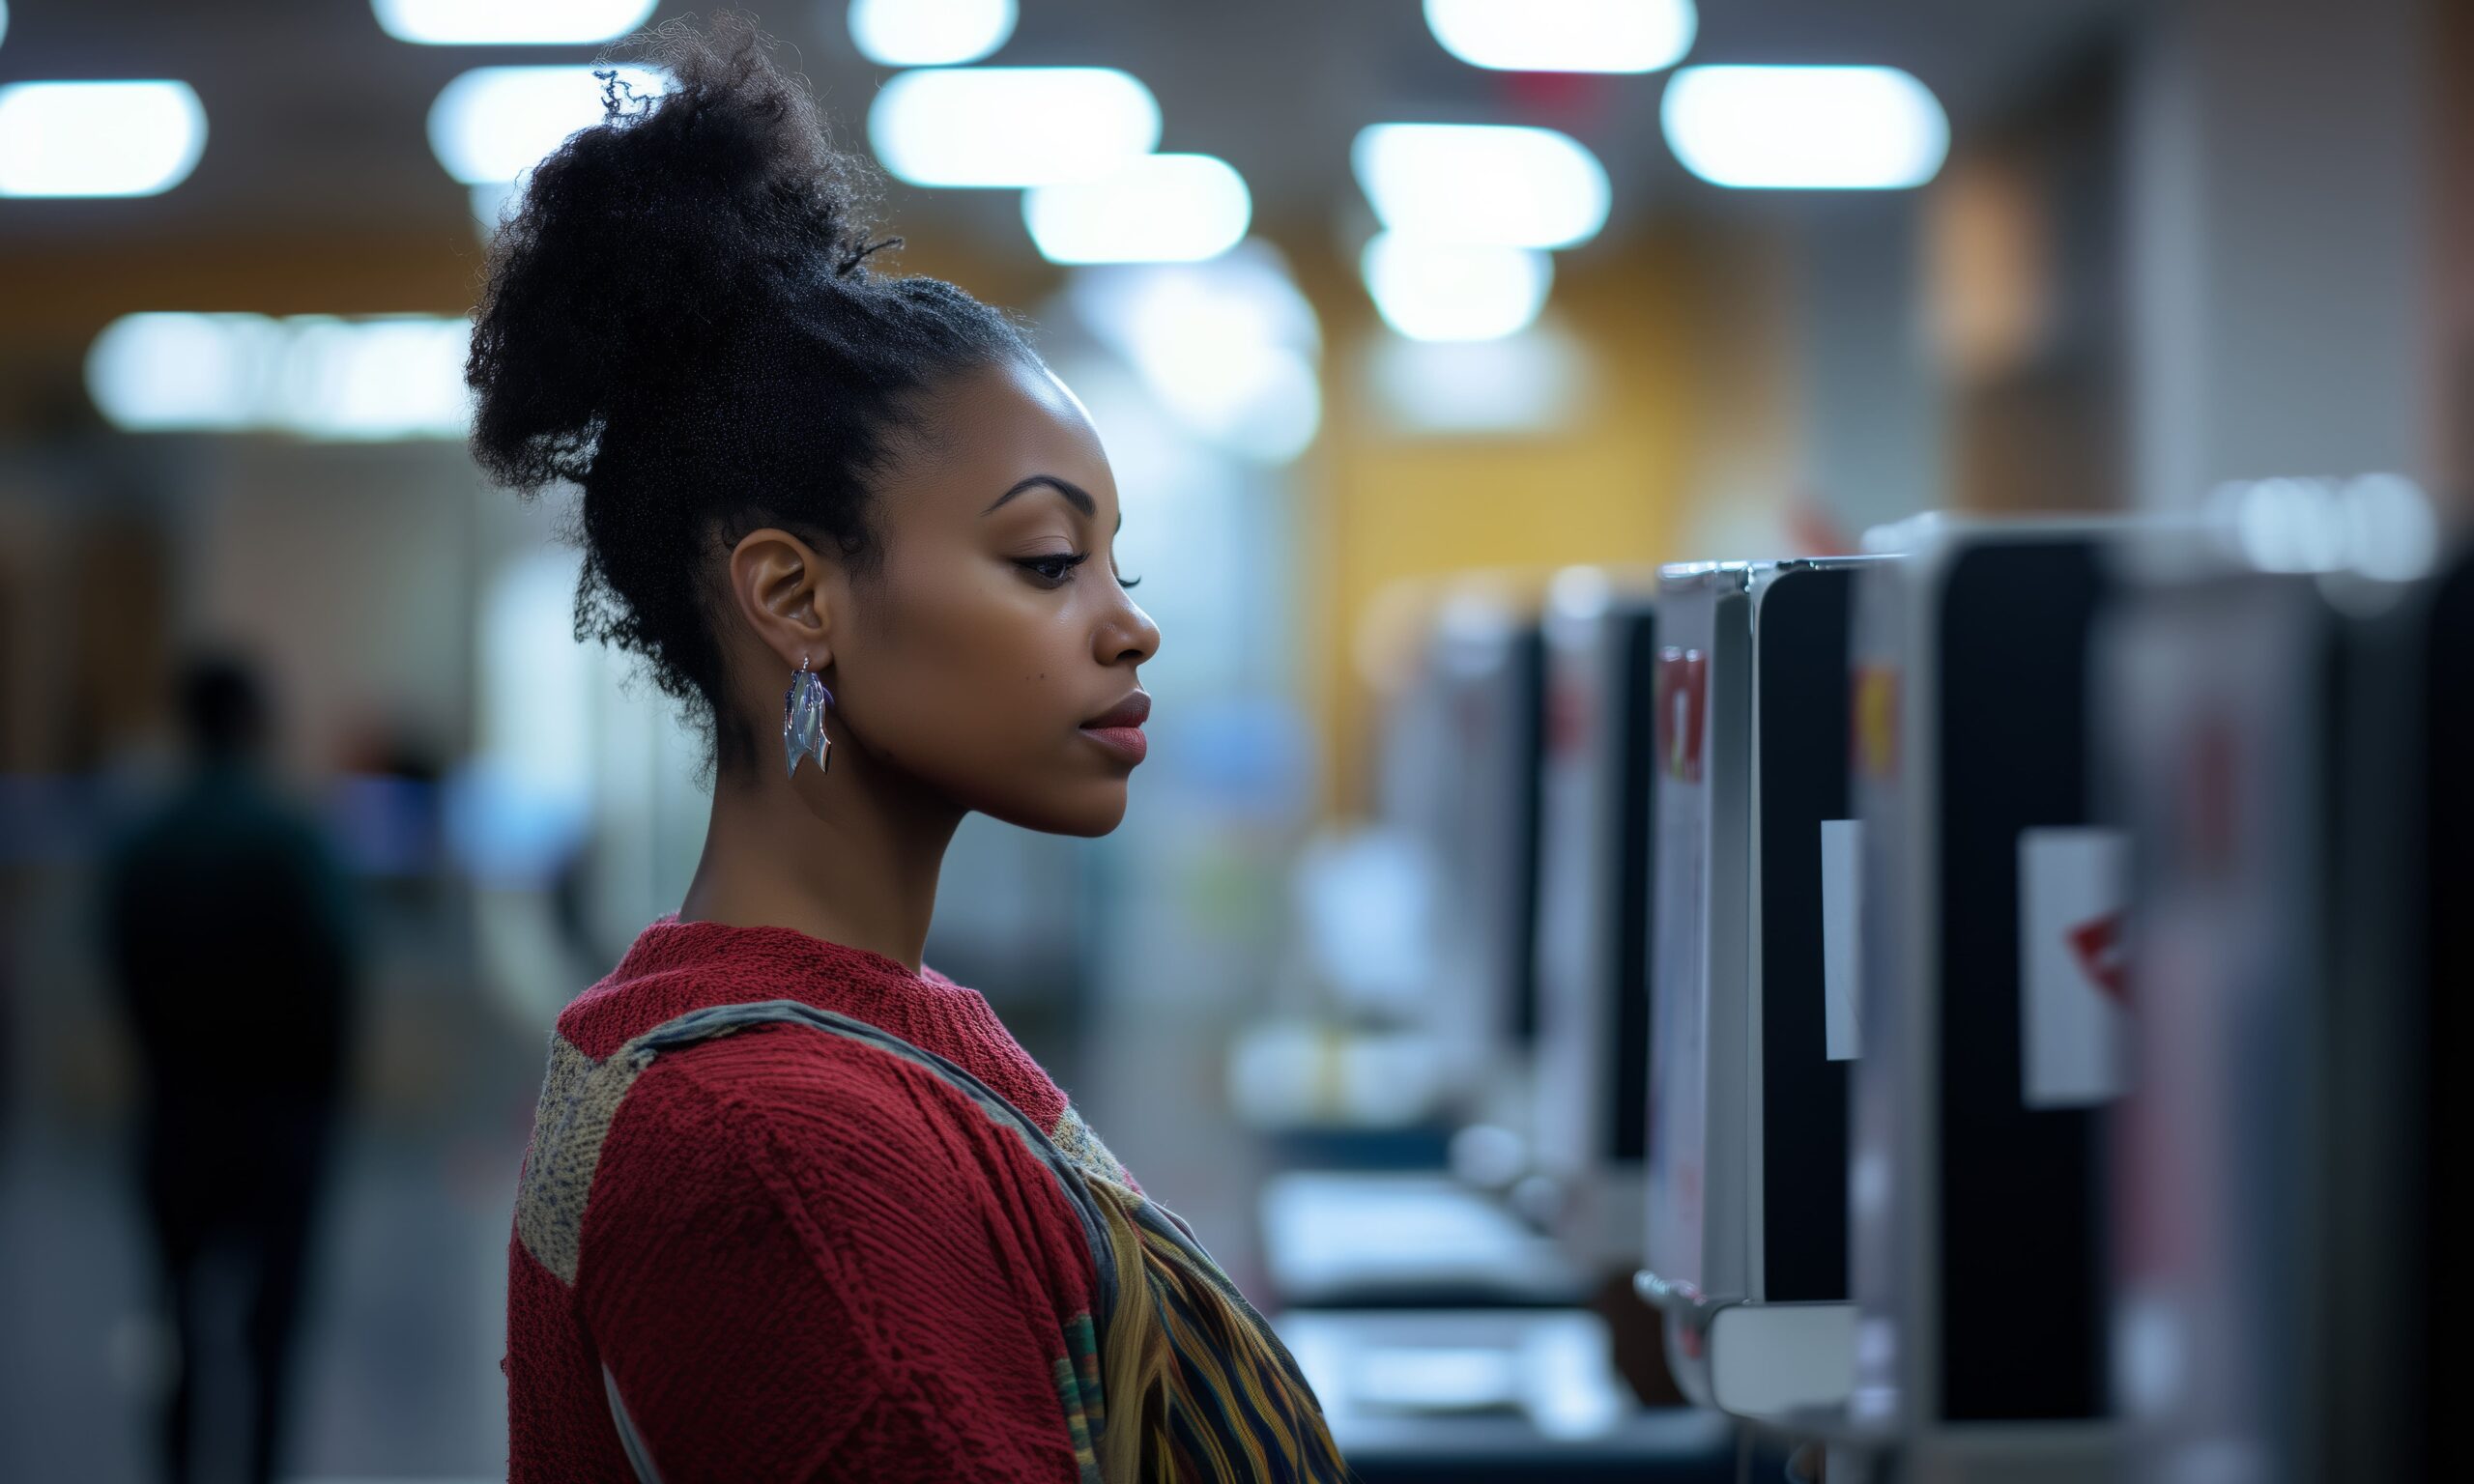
(1565, 35)
(1480, 183)
(929, 33)
(509, 22)
(1805, 128)
(137, 138)
(1011, 126)
(316, 376)
(491, 123)
(1158, 208)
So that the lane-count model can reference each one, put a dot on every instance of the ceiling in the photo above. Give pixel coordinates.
(316, 118)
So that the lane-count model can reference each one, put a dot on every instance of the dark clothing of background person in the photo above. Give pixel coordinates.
(230, 943)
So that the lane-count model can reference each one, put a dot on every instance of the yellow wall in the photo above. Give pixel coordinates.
(1377, 507)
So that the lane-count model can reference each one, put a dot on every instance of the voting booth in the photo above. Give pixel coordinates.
(1992, 1013)
(1457, 774)
(1593, 938)
(1488, 668)
(1753, 994)
(2291, 746)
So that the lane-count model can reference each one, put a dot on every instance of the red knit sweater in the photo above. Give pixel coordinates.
(797, 1256)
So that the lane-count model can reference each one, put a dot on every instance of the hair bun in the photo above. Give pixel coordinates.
(641, 243)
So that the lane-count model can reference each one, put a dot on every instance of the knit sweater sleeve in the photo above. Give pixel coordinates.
(804, 1259)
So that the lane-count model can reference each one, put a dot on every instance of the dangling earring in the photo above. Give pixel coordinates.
(803, 720)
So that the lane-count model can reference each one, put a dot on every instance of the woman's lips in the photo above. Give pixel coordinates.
(1125, 741)
(1119, 729)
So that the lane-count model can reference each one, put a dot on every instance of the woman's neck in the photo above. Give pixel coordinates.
(846, 857)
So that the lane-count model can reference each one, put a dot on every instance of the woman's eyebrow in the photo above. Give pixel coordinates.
(1073, 494)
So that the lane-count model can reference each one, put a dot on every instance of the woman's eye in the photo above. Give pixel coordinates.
(1054, 570)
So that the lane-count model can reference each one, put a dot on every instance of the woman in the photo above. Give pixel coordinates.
(797, 1206)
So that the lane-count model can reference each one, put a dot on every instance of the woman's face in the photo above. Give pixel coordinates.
(992, 655)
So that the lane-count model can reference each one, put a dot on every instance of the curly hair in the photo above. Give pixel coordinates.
(682, 318)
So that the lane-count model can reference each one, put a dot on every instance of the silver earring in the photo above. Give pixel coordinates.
(803, 720)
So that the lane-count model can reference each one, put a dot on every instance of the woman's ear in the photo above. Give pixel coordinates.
(787, 595)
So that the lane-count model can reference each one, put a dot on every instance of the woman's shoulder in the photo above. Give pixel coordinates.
(621, 1005)
(833, 1125)
(770, 1122)
(802, 1088)
(880, 1159)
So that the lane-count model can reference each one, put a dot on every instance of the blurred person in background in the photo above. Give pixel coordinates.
(797, 1206)
(228, 934)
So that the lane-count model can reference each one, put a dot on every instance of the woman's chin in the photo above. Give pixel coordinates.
(1087, 808)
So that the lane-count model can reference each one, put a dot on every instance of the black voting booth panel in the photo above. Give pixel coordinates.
(1490, 666)
(1449, 777)
(1593, 934)
(1801, 640)
(1748, 1200)
(1991, 903)
(2290, 746)
(2447, 858)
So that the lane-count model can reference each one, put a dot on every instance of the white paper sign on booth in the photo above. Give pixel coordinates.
(1842, 842)
(2072, 1020)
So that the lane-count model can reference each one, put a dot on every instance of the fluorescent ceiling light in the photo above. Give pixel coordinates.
(1805, 128)
(1454, 290)
(152, 372)
(98, 138)
(493, 124)
(929, 33)
(509, 22)
(1510, 185)
(1155, 209)
(1011, 126)
(316, 376)
(396, 376)
(1565, 35)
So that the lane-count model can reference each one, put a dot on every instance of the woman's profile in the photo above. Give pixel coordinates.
(795, 1205)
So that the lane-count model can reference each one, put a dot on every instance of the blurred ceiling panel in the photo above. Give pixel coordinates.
(315, 116)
